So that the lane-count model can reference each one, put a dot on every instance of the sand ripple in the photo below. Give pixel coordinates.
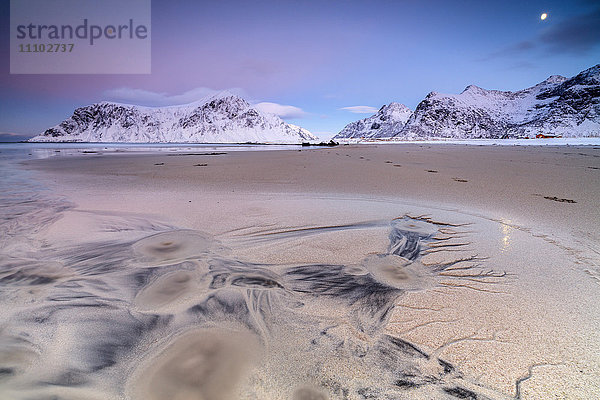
(172, 246)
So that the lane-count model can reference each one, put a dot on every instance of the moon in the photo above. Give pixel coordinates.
(543, 16)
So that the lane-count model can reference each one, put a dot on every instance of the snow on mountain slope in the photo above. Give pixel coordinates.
(304, 133)
(388, 121)
(555, 107)
(222, 118)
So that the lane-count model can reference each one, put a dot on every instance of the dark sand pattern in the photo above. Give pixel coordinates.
(171, 316)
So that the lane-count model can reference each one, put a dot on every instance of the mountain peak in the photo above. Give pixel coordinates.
(474, 90)
(396, 106)
(393, 107)
(385, 123)
(555, 79)
(224, 94)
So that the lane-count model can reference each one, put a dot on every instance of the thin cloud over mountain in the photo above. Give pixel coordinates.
(360, 109)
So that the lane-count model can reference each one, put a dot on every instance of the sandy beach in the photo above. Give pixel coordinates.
(365, 271)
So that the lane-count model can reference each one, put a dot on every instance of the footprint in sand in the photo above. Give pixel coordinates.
(554, 198)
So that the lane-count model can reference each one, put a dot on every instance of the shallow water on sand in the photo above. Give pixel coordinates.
(167, 313)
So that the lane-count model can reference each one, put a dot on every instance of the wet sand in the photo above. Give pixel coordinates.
(518, 183)
(397, 271)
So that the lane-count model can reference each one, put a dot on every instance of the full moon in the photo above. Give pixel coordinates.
(543, 16)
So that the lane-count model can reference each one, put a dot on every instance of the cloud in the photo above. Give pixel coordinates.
(282, 111)
(360, 109)
(522, 65)
(578, 34)
(150, 98)
(14, 137)
(511, 50)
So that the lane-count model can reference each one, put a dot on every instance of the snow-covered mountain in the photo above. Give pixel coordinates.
(556, 106)
(222, 118)
(389, 120)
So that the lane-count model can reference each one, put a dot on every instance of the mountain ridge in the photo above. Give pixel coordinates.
(389, 119)
(219, 118)
(557, 106)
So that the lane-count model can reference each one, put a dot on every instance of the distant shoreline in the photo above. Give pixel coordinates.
(565, 141)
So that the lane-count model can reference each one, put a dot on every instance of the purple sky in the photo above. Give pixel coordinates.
(320, 63)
